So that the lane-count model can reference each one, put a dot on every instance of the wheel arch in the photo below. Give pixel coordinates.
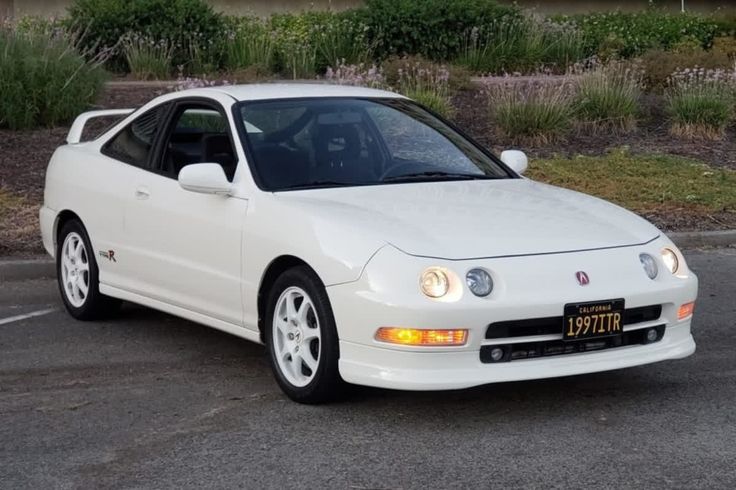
(278, 266)
(61, 218)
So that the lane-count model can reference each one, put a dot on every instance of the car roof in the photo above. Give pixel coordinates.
(264, 91)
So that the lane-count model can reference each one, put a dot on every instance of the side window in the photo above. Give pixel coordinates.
(134, 143)
(198, 134)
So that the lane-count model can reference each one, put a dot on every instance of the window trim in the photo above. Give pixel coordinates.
(105, 150)
(168, 126)
(249, 155)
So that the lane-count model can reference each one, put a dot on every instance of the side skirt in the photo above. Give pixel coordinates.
(230, 328)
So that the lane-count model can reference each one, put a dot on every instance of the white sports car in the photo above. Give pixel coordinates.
(359, 236)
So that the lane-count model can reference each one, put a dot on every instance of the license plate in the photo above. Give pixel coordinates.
(593, 319)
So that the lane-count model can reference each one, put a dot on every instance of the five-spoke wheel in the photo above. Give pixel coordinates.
(302, 338)
(78, 276)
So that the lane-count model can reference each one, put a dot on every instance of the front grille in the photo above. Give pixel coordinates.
(530, 350)
(553, 325)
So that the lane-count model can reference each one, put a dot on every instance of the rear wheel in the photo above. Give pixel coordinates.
(302, 337)
(78, 276)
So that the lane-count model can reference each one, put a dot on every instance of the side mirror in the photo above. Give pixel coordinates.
(205, 178)
(515, 159)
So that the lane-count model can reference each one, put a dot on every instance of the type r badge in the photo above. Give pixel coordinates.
(108, 254)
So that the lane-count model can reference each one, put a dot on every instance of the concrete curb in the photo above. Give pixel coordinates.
(44, 267)
(27, 269)
(695, 239)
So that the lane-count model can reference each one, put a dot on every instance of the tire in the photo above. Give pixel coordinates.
(302, 338)
(76, 270)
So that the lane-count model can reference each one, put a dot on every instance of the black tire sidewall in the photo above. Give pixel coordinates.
(326, 382)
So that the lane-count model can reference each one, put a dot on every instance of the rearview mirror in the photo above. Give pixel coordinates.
(205, 178)
(515, 159)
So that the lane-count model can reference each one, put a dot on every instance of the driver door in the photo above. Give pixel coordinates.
(188, 245)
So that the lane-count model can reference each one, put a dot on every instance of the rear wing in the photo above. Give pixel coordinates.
(75, 133)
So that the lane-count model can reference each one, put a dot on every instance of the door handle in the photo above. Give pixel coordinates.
(142, 193)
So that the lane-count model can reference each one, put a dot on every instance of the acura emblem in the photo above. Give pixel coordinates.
(582, 278)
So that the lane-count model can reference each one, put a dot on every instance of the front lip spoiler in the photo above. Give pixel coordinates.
(529, 254)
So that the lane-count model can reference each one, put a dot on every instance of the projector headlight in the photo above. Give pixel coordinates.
(649, 264)
(479, 282)
(669, 257)
(434, 282)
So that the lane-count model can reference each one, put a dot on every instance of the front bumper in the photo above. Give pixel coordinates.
(389, 368)
(387, 294)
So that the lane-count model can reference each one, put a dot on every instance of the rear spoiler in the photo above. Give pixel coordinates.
(75, 133)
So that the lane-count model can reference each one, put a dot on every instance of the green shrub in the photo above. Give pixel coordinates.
(148, 59)
(44, 81)
(701, 103)
(518, 44)
(431, 28)
(535, 112)
(637, 32)
(607, 97)
(182, 23)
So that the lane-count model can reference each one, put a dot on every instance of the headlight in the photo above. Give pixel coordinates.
(479, 282)
(670, 260)
(434, 282)
(649, 264)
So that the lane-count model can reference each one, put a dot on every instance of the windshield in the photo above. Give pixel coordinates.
(339, 142)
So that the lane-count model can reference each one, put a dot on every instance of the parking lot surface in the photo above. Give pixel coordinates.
(151, 401)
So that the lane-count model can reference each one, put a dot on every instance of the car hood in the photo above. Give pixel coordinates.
(473, 219)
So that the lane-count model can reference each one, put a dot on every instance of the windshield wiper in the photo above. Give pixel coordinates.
(438, 175)
(316, 184)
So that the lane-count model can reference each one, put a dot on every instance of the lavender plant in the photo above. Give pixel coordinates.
(537, 112)
(701, 102)
(607, 96)
(147, 58)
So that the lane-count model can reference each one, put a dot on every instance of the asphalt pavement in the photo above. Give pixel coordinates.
(151, 401)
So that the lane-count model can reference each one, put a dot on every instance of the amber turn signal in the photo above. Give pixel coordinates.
(685, 310)
(415, 336)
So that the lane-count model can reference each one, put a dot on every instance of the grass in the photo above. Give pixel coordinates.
(644, 183)
(18, 225)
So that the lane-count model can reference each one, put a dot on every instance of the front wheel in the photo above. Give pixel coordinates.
(78, 276)
(302, 337)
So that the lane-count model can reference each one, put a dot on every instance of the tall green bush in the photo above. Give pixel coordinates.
(181, 23)
(431, 28)
(44, 81)
(632, 33)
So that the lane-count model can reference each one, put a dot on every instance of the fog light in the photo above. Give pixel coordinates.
(415, 336)
(497, 354)
(685, 310)
(652, 335)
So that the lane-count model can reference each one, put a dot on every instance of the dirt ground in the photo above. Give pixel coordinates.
(25, 154)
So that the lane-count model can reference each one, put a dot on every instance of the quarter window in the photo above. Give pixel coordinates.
(134, 143)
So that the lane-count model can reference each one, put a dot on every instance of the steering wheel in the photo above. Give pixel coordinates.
(394, 170)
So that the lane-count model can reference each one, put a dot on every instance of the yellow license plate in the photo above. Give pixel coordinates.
(593, 319)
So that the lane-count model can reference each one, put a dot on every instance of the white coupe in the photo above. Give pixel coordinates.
(362, 238)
